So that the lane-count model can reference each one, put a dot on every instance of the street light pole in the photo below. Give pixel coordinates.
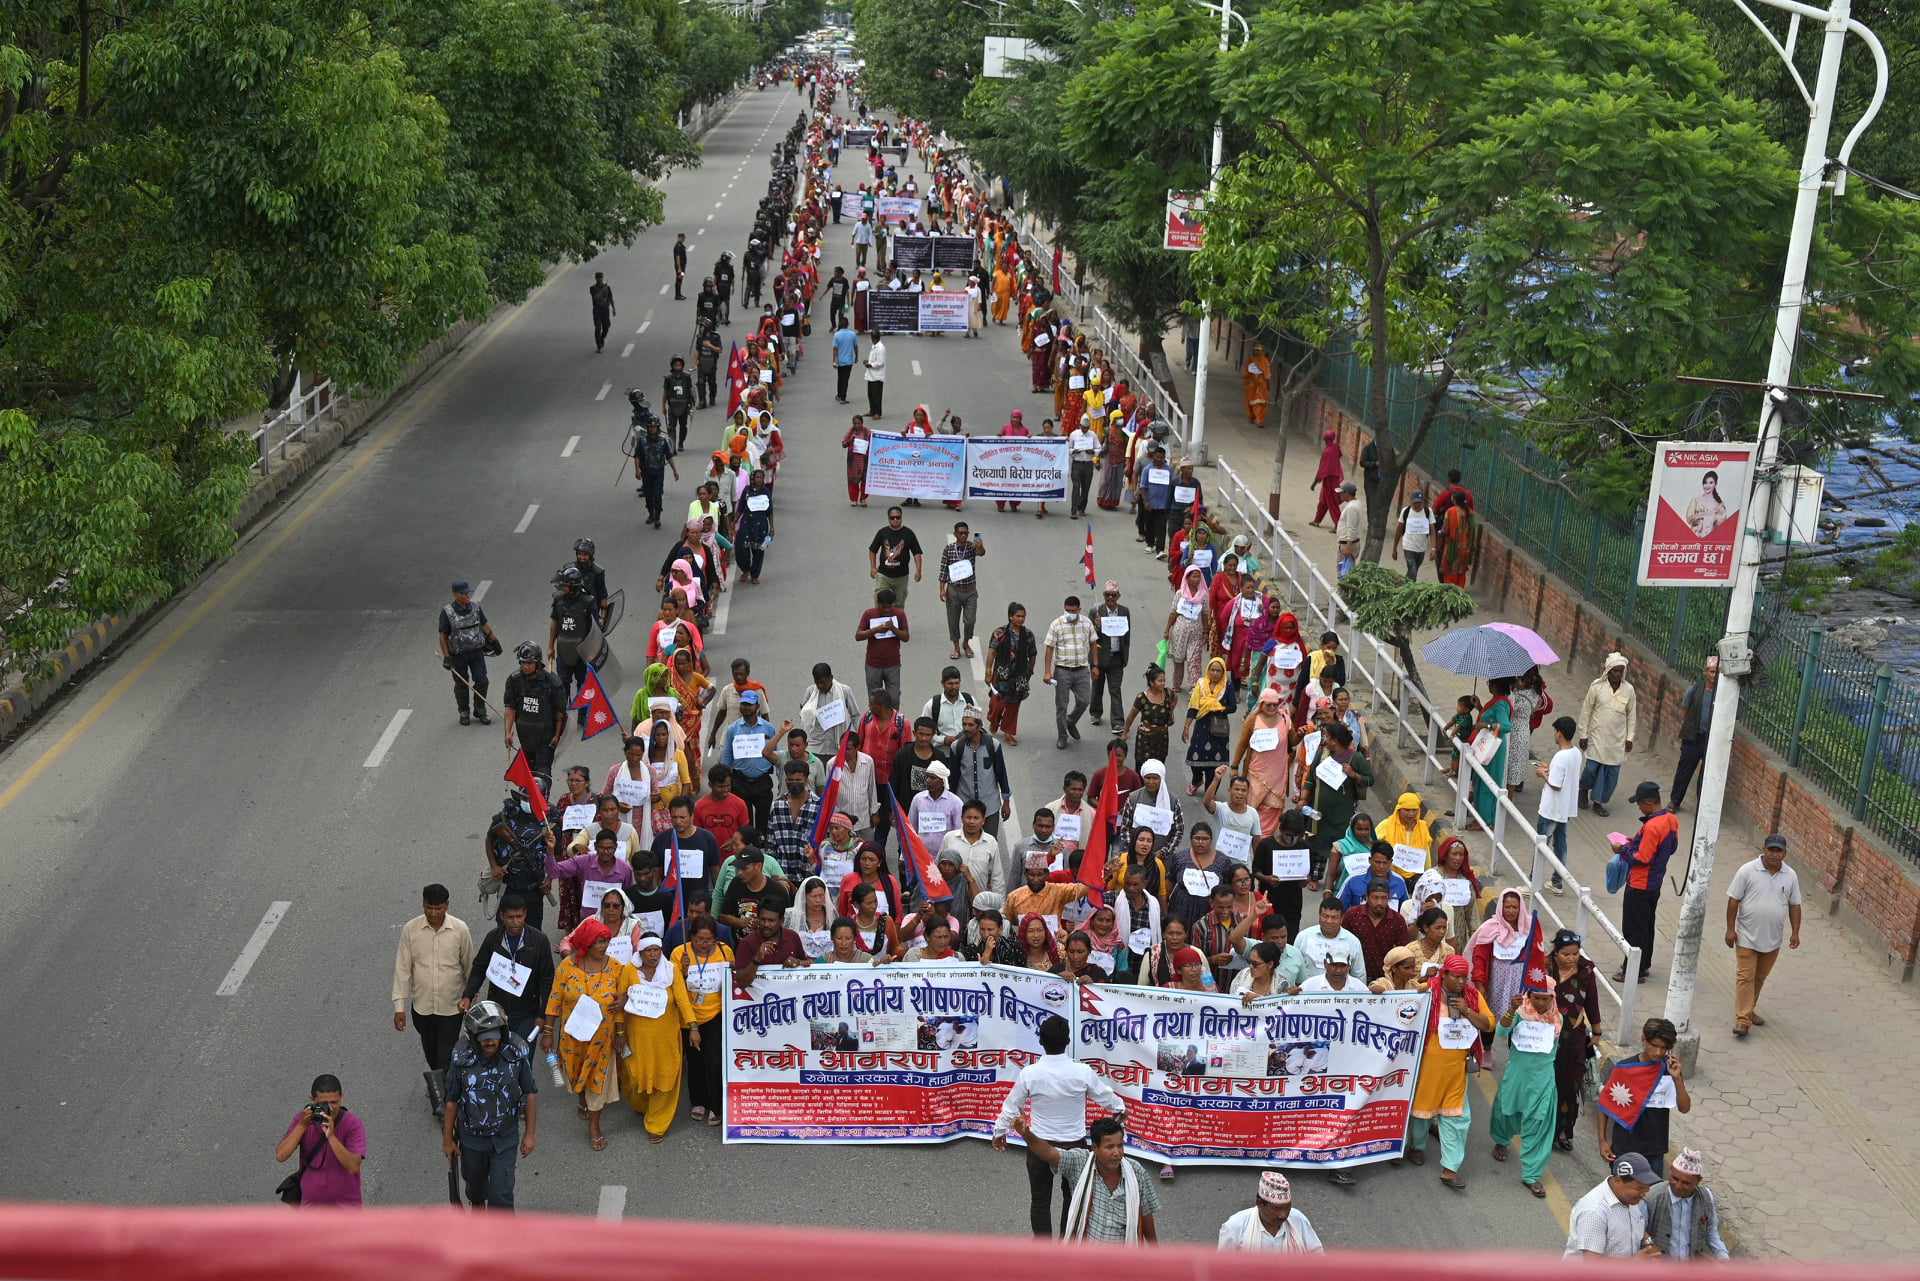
(1197, 441)
(1736, 655)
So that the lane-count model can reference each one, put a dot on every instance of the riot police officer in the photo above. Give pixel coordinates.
(756, 269)
(491, 1085)
(677, 395)
(706, 306)
(707, 359)
(723, 280)
(652, 457)
(594, 580)
(466, 638)
(572, 629)
(535, 703)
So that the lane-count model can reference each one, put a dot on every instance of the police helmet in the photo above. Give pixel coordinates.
(583, 545)
(526, 652)
(726, 255)
(486, 1018)
(569, 578)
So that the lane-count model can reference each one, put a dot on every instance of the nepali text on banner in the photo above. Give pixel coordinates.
(943, 311)
(931, 468)
(1319, 1081)
(856, 1054)
(1029, 468)
(896, 208)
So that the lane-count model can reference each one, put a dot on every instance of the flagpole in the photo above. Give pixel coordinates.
(478, 697)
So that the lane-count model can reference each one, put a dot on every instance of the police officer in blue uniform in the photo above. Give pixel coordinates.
(465, 641)
(490, 1087)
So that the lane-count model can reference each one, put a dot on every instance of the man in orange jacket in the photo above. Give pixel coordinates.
(1646, 853)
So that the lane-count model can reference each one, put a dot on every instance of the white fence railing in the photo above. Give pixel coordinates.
(1515, 844)
(317, 406)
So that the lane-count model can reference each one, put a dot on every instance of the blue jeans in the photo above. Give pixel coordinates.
(1598, 781)
(1556, 834)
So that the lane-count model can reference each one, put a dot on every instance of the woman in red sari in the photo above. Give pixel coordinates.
(1013, 427)
(1221, 595)
(857, 461)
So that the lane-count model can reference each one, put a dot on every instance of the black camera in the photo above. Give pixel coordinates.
(319, 1111)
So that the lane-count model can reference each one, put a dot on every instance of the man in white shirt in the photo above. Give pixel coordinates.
(826, 713)
(1610, 1222)
(1271, 1222)
(1559, 793)
(1328, 939)
(876, 362)
(1083, 449)
(1414, 534)
(1763, 900)
(978, 851)
(1336, 977)
(1056, 1090)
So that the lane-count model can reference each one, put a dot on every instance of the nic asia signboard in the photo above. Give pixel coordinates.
(1696, 514)
(1183, 229)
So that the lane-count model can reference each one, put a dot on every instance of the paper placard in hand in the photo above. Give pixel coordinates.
(1287, 657)
(651, 922)
(575, 817)
(1197, 882)
(758, 502)
(748, 746)
(646, 1000)
(1188, 608)
(960, 571)
(1530, 1037)
(861, 444)
(504, 972)
(835, 868)
(1114, 624)
(1331, 772)
(1456, 891)
(620, 949)
(1292, 865)
(585, 1019)
(1356, 864)
(1264, 739)
(1067, 826)
(1410, 859)
(1457, 1034)
(1140, 940)
(591, 892)
(692, 863)
(1233, 843)
(630, 791)
(1157, 819)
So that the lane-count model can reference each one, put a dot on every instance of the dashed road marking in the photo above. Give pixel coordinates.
(613, 1201)
(527, 519)
(573, 443)
(626, 351)
(384, 743)
(916, 368)
(480, 590)
(643, 329)
(604, 389)
(255, 945)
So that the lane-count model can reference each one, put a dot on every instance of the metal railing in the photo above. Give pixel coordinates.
(317, 406)
(1418, 723)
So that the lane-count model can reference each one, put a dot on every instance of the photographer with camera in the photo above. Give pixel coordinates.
(332, 1145)
(491, 1087)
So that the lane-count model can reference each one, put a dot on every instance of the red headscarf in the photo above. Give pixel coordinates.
(586, 934)
(1286, 631)
(1455, 964)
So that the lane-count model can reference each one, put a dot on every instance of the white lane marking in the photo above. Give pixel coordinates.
(979, 664)
(480, 591)
(718, 203)
(643, 328)
(527, 519)
(255, 945)
(709, 217)
(613, 1201)
(573, 443)
(604, 389)
(384, 743)
(916, 368)
(701, 232)
(723, 609)
(626, 351)
(663, 290)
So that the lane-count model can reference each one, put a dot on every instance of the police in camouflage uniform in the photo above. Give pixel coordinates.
(490, 1087)
(465, 641)
(517, 846)
(571, 624)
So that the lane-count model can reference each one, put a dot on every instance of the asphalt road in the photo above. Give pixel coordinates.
(280, 746)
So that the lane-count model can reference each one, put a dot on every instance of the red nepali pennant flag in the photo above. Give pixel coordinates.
(1627, 1089)
(520, 774)
(593, 697)
(917, 861)
(1086, 557)
(671, 881)
(1536, 979)
(828, 800)
(1093, 855)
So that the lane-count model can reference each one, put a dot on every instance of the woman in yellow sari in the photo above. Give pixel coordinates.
(656, 1008)
(1255, 380)
(1002, 293)
(1408, 825)
(587, 989)
(693, 690)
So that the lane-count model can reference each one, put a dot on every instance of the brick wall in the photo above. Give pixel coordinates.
(1861, 878)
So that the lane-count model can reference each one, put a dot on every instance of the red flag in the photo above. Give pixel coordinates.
(593, 697)
(920, 863)
(1628, 1088)
(1093, 857)
(671, 881)
(1086, 557)
(829, 799)
(1536, 979)
(520, 774)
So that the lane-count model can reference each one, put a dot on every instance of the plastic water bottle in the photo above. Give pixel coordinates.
(553, 1066)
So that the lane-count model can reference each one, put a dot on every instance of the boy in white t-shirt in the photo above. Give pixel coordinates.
(1559, 792)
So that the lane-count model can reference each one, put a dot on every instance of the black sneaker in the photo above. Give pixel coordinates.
(483, 718)
(1073, 730)
(465, 719)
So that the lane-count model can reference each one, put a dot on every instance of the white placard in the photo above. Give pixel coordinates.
(1292, 865)
(1077, 383)
(591, 892)
(575, 817)
(585, 1019)
(1331, 772)
(1356, 864)
(693, 863)
(1188, 609)
(960, 571)
(1417, 522)
(1264, 740)
(1114, 624)
(1157, 819)
(1184, 494)
(1199, 883)
(789, 318)
(1067, 826)
(766, 376)
(1457, 1034)
(931, 823)
(1456, 891)
(620, 949)
(654, 923)
(646, 1000)
(1159, 476)
(1140, 940)
(758, 502)
(816, 943)
(504, 972)
(1663, 1094)
(1530, 1037)
(1249, 608)
(1105, 960)
(831, 715)
(630, 791)
(705, 976)
(748, 746)
(1287, 657)
(1233, 843)
(1410, 859)
(1509, 950)
(861, 444)
(1310, 745)
(1053, 923)
(835, 868)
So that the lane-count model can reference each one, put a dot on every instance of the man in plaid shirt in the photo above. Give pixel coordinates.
(790, 825)
(1067, 659)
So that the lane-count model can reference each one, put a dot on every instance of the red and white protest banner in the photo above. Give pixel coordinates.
(1696, 512)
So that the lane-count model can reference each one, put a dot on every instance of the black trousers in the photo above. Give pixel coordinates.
(1638, 908)
(884, 827)
(488, 1169)
(1285, 898)
(677, 426)
(437, 1032)
(1082, 482)
(836, 310)
(1156, 530)
(602, 322)
(841, 374)
(757, 793)
(1111, 679)
(1040, 1180)
(679, 278)
(874, 390)
(709, 385)
(752, 557)
(537, 742)
(703, 1068)
(1692, 752)
(653, 487)
(474, 667)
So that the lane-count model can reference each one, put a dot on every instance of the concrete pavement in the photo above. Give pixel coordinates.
(238, 805)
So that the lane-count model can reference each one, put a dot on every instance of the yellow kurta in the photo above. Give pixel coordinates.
(588, 1064)
(654, 1065)
(1442, 1088)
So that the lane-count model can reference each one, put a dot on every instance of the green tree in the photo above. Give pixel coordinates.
(1390, 607)
(1561, 185)
(921, 55)
(721, 48)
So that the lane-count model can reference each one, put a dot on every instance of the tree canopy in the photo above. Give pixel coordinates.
(921, 55)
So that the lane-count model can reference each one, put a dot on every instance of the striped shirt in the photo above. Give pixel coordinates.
(1071, 638)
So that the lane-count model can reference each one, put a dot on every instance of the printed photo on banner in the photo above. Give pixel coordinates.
(1694, 514)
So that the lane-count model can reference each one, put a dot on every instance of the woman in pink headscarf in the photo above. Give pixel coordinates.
(1014, 427)
(1189, 631)
(1329, 477)
(1498, 949)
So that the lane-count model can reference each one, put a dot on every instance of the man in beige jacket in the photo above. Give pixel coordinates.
(1607, 717)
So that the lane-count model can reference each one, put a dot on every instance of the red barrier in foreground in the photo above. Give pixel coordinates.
(87, 1243)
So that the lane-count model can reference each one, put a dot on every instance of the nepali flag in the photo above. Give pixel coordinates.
(520, 774)
(1628, 1087)
(599, 708)
(1093, 855)
(828, 800)
(1536, 979)
(672, 881)
(736, 379)
(1086, 557)
(917, 867)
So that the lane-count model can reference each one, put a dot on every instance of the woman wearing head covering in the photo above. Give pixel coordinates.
(1262, 753)
(1402, 965)
(1014, 426)
(1222, 593)
(1407, 825)
(654, 1009)
(812, 916)
(1357, 839)
(1498, 949)
(1114, 448)
(690, 690)
(1189, 631)
(1457, 1017)
(1453, 550)
(1206, 729)
(1287, 663)
(582, 1021)
(1576, 990)
(1255, 382)
(1528, 1098)
(1038, 948)
(1328, 477)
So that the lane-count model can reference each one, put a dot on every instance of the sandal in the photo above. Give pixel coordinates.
(1416, 1156)
(656, 1138)
(599, 1142)
(1457, 1183)
(1534, 1188)
(713, 1119)
(1499, 1151)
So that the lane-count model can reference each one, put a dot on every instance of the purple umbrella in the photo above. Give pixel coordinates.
(1491, 649)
